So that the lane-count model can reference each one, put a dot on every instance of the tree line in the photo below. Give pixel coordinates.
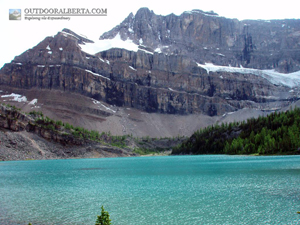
(277, 133)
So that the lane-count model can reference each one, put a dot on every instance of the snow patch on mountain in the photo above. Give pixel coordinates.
(102, 105)
(96, 74)
(130, 30)
(16, 97)
(68, 34)
(132, 68)
(103, 45)
(158, 50)
(146, 51)
(289, 80)
(33, 102)
(211, 13)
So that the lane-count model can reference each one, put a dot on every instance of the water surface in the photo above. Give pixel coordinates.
(152, 190)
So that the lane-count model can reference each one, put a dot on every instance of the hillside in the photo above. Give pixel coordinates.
(277, 133)
(26, 136)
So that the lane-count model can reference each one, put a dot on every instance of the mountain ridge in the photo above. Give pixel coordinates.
(238, 36)
(184, 78)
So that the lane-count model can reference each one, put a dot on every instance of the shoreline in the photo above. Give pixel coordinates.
(143, 156)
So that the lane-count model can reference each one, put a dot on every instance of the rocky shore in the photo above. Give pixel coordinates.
(28, 146)
(21, 138)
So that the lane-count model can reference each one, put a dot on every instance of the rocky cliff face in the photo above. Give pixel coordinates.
(166, 72)
(207, 37)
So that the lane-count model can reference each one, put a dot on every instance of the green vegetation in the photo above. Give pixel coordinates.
(277, 133)
(156, 146)
(119, 141)
(144, 145)
(139, 145)
(37, 114)
(79, 132)
(103, 219)
(68, 126)
(146, 151)
(14, 108)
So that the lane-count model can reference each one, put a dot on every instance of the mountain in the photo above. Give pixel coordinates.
(197, 63)
(207, 37)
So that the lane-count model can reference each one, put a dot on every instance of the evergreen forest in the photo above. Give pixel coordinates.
(277, 133)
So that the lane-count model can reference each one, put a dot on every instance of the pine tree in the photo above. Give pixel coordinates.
(276, 133)
(103, 219)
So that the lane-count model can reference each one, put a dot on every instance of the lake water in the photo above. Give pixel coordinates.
(152, 190)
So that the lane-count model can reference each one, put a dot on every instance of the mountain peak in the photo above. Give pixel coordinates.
(81, 38)
(209, 38)
(197, 62)
(144, 12)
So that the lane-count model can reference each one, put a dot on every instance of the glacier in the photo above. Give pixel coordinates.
(290, 80)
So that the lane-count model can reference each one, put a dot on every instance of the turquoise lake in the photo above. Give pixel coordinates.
(209, 189)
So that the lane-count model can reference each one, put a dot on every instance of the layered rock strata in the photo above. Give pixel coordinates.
(164, 74)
